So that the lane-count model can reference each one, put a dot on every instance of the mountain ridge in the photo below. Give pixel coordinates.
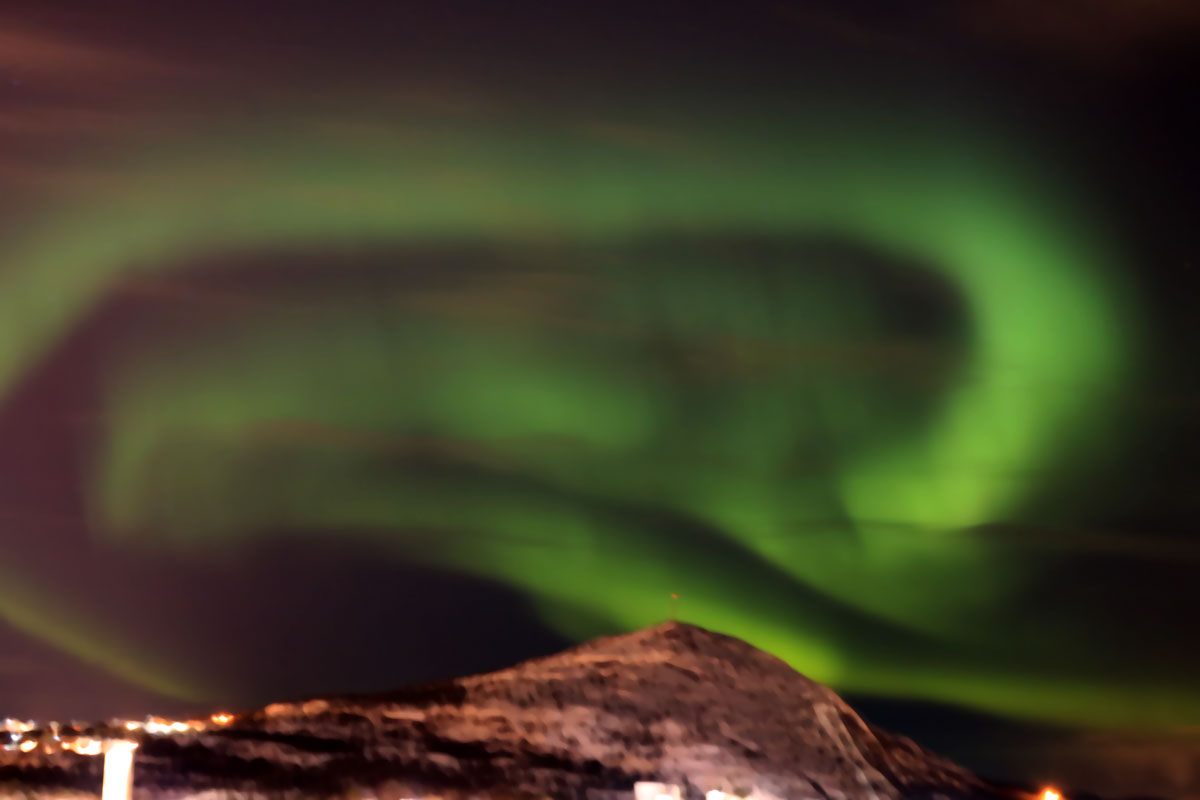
(675, 704)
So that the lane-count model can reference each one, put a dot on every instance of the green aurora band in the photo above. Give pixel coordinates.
(548, 449)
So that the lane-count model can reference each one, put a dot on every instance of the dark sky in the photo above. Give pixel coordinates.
(345, 345)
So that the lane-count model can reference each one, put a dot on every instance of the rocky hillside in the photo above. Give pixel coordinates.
(674, 703)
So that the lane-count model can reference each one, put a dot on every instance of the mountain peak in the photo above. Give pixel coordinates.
(674, 703)
(676, 637)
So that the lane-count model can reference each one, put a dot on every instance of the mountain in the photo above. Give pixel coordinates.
(675, 704)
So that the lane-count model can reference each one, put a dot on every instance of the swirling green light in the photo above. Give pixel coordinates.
(1045, 345)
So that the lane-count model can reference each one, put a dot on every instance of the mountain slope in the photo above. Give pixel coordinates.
(674, 703)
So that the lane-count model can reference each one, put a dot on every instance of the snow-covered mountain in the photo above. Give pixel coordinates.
(674, 704)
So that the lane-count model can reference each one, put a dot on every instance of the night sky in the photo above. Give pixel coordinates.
(346, 345)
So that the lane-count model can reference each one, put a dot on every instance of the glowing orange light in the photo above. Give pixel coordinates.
(1050, 794)
(85, 746)
(118, 771)
(27, 746)
(222, 718)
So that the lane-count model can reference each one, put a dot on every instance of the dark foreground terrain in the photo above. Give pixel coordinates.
(675, 703)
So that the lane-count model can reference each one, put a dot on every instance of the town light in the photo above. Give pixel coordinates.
(118, 771)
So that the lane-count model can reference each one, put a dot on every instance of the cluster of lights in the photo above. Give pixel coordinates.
(84, 746)
(26, 736)
(160, 726)
(157, 725)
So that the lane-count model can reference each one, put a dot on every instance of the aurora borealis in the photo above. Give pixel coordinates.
(855, 363)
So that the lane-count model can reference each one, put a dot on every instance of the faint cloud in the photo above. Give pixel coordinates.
(1118, 763)
(648, 138)
(1094, 29)
(834, 22)
(17, 667)
(42, 57)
